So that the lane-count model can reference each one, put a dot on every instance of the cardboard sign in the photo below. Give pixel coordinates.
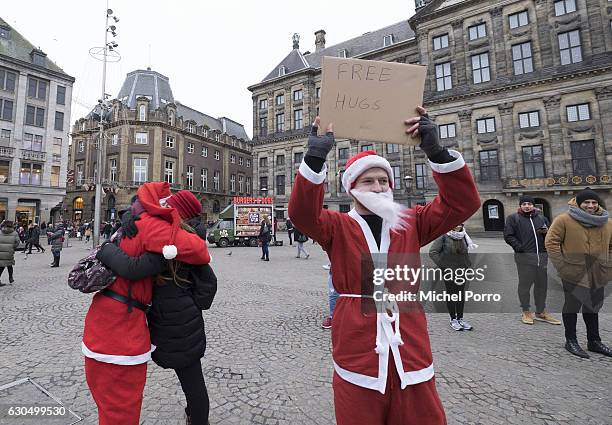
(370, 100)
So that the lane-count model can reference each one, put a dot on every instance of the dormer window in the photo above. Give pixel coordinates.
(171, 118)
(190, 127)
(343, 53)
(142, 113)
(282, 70)
(388, 40)
(4, 32)
(38, 58)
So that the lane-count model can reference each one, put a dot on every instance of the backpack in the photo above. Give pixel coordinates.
(90, 275)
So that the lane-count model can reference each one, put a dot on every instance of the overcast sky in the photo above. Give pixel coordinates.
(211, 50)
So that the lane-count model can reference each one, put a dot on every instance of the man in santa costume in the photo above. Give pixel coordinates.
(383, 365)
(116, 342)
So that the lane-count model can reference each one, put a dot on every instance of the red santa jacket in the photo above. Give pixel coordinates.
(112, 334)
(362, 339)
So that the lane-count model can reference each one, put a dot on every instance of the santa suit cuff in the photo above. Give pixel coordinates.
(449, 167)
(311, 176)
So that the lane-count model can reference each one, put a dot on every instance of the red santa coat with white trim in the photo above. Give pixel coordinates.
(347, 238)
(112, 334)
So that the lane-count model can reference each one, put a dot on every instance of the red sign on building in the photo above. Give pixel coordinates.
(253, 200)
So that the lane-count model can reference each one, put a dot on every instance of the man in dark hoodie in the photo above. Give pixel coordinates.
(525, 231)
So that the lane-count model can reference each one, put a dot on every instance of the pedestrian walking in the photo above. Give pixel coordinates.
(289, 225)
(383, 362)
(87, 233)
(9, 241)
(28, 237)
(300, 238)
(451, 252)
(525, 231)
(332, 297)
(180, 293)
(34, 240)
(265, 236)
(107, 230)
(57, 242)
(579, 243)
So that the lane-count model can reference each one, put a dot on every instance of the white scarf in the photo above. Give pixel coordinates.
(461, 235)
(383, 205)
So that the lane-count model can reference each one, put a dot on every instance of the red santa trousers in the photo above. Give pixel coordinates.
(117, 390)
(414, 405)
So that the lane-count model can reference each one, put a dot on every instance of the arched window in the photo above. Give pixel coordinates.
(111, 202)
(142, 113)
(171, 118)
(78, 203)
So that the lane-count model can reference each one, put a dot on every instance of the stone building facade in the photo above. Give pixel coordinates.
(152, 137)
(35, 98)
(522, 88)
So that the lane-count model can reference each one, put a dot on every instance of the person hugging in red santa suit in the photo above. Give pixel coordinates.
(383, 362)
(116, 341)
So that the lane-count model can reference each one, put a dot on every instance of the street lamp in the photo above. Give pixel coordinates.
(408, 185)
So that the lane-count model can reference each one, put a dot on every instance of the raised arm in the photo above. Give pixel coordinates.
(131, 268)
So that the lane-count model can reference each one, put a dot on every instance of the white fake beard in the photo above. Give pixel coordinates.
(383, 205)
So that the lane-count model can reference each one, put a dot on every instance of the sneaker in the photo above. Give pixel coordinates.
(454, 323)
(547, 317)
(307, 256)
(527, 318)
(465, 324)
(327, 323)
(573, 347)
(327, 266)
(2, 284)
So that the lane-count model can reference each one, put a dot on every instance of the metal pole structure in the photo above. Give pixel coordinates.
(101, 145)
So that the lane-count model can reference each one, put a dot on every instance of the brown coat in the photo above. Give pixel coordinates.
(571, 246)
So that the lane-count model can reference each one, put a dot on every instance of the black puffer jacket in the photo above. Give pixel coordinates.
(175, 319)
(521, 233)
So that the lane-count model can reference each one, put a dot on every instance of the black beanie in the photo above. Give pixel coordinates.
(526, 198)
(586, 194)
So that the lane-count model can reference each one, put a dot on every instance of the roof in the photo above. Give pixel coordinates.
(355, 47)
(150, 84)
(223, 124)
(17, 47)
(448, 3)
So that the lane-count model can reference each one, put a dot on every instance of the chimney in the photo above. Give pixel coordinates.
(319, 40)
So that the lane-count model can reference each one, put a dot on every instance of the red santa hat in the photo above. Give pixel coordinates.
(186, 204)
(362, 162)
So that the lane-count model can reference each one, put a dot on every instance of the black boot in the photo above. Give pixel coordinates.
(573, 347)
(599, 347)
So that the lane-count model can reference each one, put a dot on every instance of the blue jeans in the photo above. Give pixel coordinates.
(265, 252)
(333, 295)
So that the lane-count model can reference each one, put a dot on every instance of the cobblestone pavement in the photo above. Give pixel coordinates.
(268, 361)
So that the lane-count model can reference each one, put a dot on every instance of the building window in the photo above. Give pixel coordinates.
(298, 121)
(170, 142)
(485, 125)
(189, 177)
(343, 153)
(297, 157)
(298, 95)
(204, 151)
(140, 170)
(263, 162)
(397, 177)
(248, 185)
(216, 180)
(280, 159)
(7, 80)
(204, 178)
(533, 161)
(55, 174)
(240, 161)
(477, 31)
(420, 173)
(171, 118)
(263, 126)
(60, 97)
(367, 147)
(5, 134)
(142, 138)
(233, 183)
(318, 92)
(569, 47)
(114, 139)
(35, 116)
(37, 88)
(263, 183)
(280, 184)
(169, 171)
(263, 103)
(481, 72)
(280, 122)
(522, 58)
(280, 99)
(387, 40)
(217, 155)
(232, 158)
(281, 70)
(447, 131)
(529, 119)
(489, 165)
(189, 127)
(217, 137)
(565, 6)
(240, 183)
(57, 146)
(583, 158)
(6, 110)
(248, 163)
(81, 146)
(4, 171)
(59, 121)
(113, 170)
(344, 208)
(190, 147)
(518, 19)
(30, 173)
(578, 112)
(440, 42)
(142, 113)
(443, 77)
(393, 148)
(32, 142)
(340, 185)
(342, 53)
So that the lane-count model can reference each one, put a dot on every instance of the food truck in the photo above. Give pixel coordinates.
(239, 223)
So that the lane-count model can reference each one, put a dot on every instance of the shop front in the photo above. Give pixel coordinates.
(27, 211)
(77, 209)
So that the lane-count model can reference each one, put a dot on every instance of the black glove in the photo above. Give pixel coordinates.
(319, 146)
(430, 141)
(128, 224)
